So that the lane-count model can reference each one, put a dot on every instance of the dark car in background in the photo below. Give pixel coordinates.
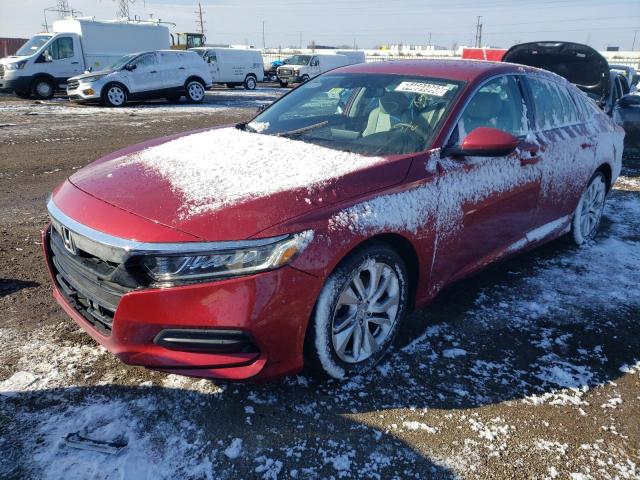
(588, 70)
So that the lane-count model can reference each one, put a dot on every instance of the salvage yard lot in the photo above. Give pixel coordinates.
(529, 369)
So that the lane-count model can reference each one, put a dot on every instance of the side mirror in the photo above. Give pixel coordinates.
(484, 142)
(131, 68)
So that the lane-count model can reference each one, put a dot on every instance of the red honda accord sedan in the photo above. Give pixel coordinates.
(303, 237)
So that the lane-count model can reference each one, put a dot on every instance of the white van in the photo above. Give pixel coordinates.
(166, 74)
(46, 61)
(233, 66)
(301, 68)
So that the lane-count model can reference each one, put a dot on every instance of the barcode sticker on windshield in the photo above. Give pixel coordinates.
(427, 88)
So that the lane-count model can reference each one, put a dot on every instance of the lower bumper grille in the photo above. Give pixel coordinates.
(82, 279)
(73, 84)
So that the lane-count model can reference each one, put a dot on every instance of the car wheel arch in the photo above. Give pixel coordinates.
(195, 78)
(606, 170)
(110, 84)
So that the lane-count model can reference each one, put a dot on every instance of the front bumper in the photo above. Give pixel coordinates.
(84, 92)
(271, 308)
(17, 84)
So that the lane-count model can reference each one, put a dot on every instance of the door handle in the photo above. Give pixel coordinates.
(584, 146)
(153, 71)
(181, 68)
(75, 63)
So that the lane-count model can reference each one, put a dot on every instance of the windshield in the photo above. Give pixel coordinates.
(298, 60)
(121, 62)
(367, 114)
(33, 45)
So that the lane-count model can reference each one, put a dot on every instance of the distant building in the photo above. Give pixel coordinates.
(9, 46)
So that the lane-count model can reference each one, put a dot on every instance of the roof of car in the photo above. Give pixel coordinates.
(463, 70)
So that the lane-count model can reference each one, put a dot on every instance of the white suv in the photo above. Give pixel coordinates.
(166, 74)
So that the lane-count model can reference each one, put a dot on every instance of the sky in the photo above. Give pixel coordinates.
(365, 23)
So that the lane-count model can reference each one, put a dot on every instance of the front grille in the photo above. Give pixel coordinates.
(73, 84)
(91, 285)
(1, 71)
(286, 72)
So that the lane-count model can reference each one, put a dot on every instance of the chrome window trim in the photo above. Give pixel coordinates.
(117, 249)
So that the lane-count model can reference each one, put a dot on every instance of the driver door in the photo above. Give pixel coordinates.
(486, 204)
(63, 56)
(146, 75)
(212, 60)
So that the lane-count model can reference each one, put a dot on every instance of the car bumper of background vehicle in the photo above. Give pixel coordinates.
(271, 309)
(18, 84)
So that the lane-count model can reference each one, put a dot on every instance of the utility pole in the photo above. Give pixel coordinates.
(300, 40)
(635, 34)
(479, 33)
(123, 8)
(264, 42)
(62, 6)
(199, 20)
(429, 40)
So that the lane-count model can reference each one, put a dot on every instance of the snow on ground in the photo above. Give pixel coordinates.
(215, 101)
(550, 339)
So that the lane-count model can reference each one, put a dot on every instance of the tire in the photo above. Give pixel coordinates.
(305, 78)
(114, 95)
(284, 84)
(195, 91)
(43, 88)
(586, 218)
(174, 98)
(250, 83)
(336, 344)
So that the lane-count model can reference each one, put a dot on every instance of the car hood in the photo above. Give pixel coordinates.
(92, 74)
(227, 184)
(579, 64)
(14, 59)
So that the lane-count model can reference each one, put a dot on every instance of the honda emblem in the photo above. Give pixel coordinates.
(67, 239)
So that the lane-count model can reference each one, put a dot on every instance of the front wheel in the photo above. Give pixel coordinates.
(586, 218)
(195, 91)
(43, 89)
(250, 83)
(357, 313)
(283, 84)
(114, 95)
(305, 78)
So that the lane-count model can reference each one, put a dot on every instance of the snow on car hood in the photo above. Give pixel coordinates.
(241, 182)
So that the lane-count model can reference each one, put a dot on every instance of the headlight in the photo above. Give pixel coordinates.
(250, 257)
(91, 79)
(15, 65)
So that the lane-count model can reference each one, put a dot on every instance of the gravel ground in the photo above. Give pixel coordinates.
(530, 369)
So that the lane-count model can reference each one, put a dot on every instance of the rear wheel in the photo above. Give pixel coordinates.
(586, 218)
(42, 88)
(114, 95)
(358, 313)
(195, 91)
(250, 83)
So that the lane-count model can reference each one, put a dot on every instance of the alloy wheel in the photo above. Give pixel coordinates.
(44, 89)
(591, 206)
(366, 312)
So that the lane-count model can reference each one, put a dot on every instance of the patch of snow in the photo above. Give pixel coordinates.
(234, 450)
(454, 353)
(411, 425)
(222, 167)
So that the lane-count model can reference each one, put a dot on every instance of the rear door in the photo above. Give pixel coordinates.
(486, 204)
(568, 143)
(170, 69)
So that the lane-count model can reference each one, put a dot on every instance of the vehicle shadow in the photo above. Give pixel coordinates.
(544, 327)
(9, 286)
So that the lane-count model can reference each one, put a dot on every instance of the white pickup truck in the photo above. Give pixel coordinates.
(46, 61)
(301, 68)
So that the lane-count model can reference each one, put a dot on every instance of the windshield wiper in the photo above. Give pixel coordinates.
(302, 130)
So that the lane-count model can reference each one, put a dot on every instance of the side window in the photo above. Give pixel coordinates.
(62, 48)
(498, 104)
(212, 58)
(146, 60)
(569, 113)
(547, 102)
